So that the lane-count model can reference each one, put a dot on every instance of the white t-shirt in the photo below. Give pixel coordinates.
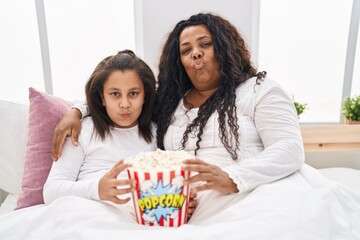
(269, 134)
(80, 168)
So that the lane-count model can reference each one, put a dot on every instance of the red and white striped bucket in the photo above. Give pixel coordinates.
(160, 198)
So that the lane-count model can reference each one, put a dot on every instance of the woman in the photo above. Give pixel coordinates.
(211, 101)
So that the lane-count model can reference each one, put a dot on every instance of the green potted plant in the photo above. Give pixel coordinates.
(300, 107)
(351, 110)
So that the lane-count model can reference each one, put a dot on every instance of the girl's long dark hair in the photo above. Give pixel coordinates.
(123, 61)
(235, 67)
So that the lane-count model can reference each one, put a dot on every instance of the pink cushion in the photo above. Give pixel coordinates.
(44, 113)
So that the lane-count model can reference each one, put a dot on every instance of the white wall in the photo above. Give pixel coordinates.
(156, 18)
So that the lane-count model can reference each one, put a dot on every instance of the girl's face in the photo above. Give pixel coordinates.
(198, 57)
(123, 98)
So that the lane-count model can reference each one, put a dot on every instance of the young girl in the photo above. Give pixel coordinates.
(120, 95)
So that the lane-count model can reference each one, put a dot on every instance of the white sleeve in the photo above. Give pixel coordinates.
(62, 179)
(82, 107)
(277, 124)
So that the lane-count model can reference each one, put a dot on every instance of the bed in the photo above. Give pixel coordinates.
(253, 215)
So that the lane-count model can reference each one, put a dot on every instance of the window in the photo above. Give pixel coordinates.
(355, 88)
(20, 58)
(302, 46)
(80, 33)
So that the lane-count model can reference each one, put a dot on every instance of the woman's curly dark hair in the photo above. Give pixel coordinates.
(235, 67)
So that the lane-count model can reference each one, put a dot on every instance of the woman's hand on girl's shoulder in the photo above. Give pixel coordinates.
(69, 125)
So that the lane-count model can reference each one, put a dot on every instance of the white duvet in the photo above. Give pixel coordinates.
(303, 206)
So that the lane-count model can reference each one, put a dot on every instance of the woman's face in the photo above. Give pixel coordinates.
(198, 57)
(123, 98)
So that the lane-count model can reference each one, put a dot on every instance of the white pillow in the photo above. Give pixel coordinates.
(13, 140)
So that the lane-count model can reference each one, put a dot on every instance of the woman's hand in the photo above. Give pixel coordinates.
(108, 184)
(69, 125)
(211, 176)
(192, 203)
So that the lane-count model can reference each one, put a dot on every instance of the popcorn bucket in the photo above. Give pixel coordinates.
(160, 197)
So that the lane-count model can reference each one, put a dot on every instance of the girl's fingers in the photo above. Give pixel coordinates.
(122, 182)
(118, 167)
(117, 200)
(116, 192)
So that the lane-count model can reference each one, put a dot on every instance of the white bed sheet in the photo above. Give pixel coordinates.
(302, 206)
(348, 177)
